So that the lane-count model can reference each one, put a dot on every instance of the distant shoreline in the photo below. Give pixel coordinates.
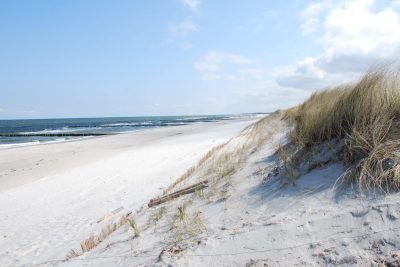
(17, 133)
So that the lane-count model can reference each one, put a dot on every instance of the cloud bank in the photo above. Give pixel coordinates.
(355, 35)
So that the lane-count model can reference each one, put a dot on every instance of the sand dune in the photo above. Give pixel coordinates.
(253, 215)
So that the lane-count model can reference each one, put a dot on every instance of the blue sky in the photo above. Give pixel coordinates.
(171, 57)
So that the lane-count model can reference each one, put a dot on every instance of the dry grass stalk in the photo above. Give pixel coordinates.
(134, 227)
(158, 214)
(182, 212)
(94, 240)
(89, 243)
(186, 226)
(289, 161)
(191, 170)
(222, 165)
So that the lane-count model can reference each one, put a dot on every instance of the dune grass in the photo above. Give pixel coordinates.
(95, 239)
(134, 227)
(367, 115)
(193, 169)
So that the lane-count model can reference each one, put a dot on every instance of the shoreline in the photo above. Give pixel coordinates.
(65, 188)
(71, 137)
(76, 151)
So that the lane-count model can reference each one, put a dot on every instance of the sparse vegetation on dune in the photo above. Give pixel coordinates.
(223, 160)
(367, 116)
(95, 239)
(192, 170)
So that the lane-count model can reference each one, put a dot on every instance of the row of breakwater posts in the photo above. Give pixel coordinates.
(52, 134)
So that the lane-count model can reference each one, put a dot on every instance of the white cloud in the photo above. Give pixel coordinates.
(192, 4)
(304, 74)
(222, 65)
(310, 16)
(254, 96)
(269, 97)
(182, 28)
(355, 35)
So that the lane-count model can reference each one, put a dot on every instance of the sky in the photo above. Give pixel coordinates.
(97, 58)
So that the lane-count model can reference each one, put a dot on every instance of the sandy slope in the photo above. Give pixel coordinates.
(51, 196)
(251, 218)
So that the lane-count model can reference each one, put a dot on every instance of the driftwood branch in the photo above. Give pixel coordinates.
(184, 191)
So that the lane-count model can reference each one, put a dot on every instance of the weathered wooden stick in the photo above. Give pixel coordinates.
(184, 191)
(160, 201)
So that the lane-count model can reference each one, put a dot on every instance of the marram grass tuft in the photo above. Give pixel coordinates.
(367, 116)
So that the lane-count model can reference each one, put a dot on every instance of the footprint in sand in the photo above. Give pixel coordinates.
(359, 213)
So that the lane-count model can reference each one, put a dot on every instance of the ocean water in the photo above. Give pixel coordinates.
(29, 132)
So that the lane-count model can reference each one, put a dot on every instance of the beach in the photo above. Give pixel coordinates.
(53, 195)
(85, 203)
(194, 133)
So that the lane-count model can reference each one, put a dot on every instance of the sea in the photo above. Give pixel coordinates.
(38, 131)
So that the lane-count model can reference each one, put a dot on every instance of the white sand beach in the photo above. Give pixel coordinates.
(51, 196)
(200, 133)
(58, 198)
(250, 216)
